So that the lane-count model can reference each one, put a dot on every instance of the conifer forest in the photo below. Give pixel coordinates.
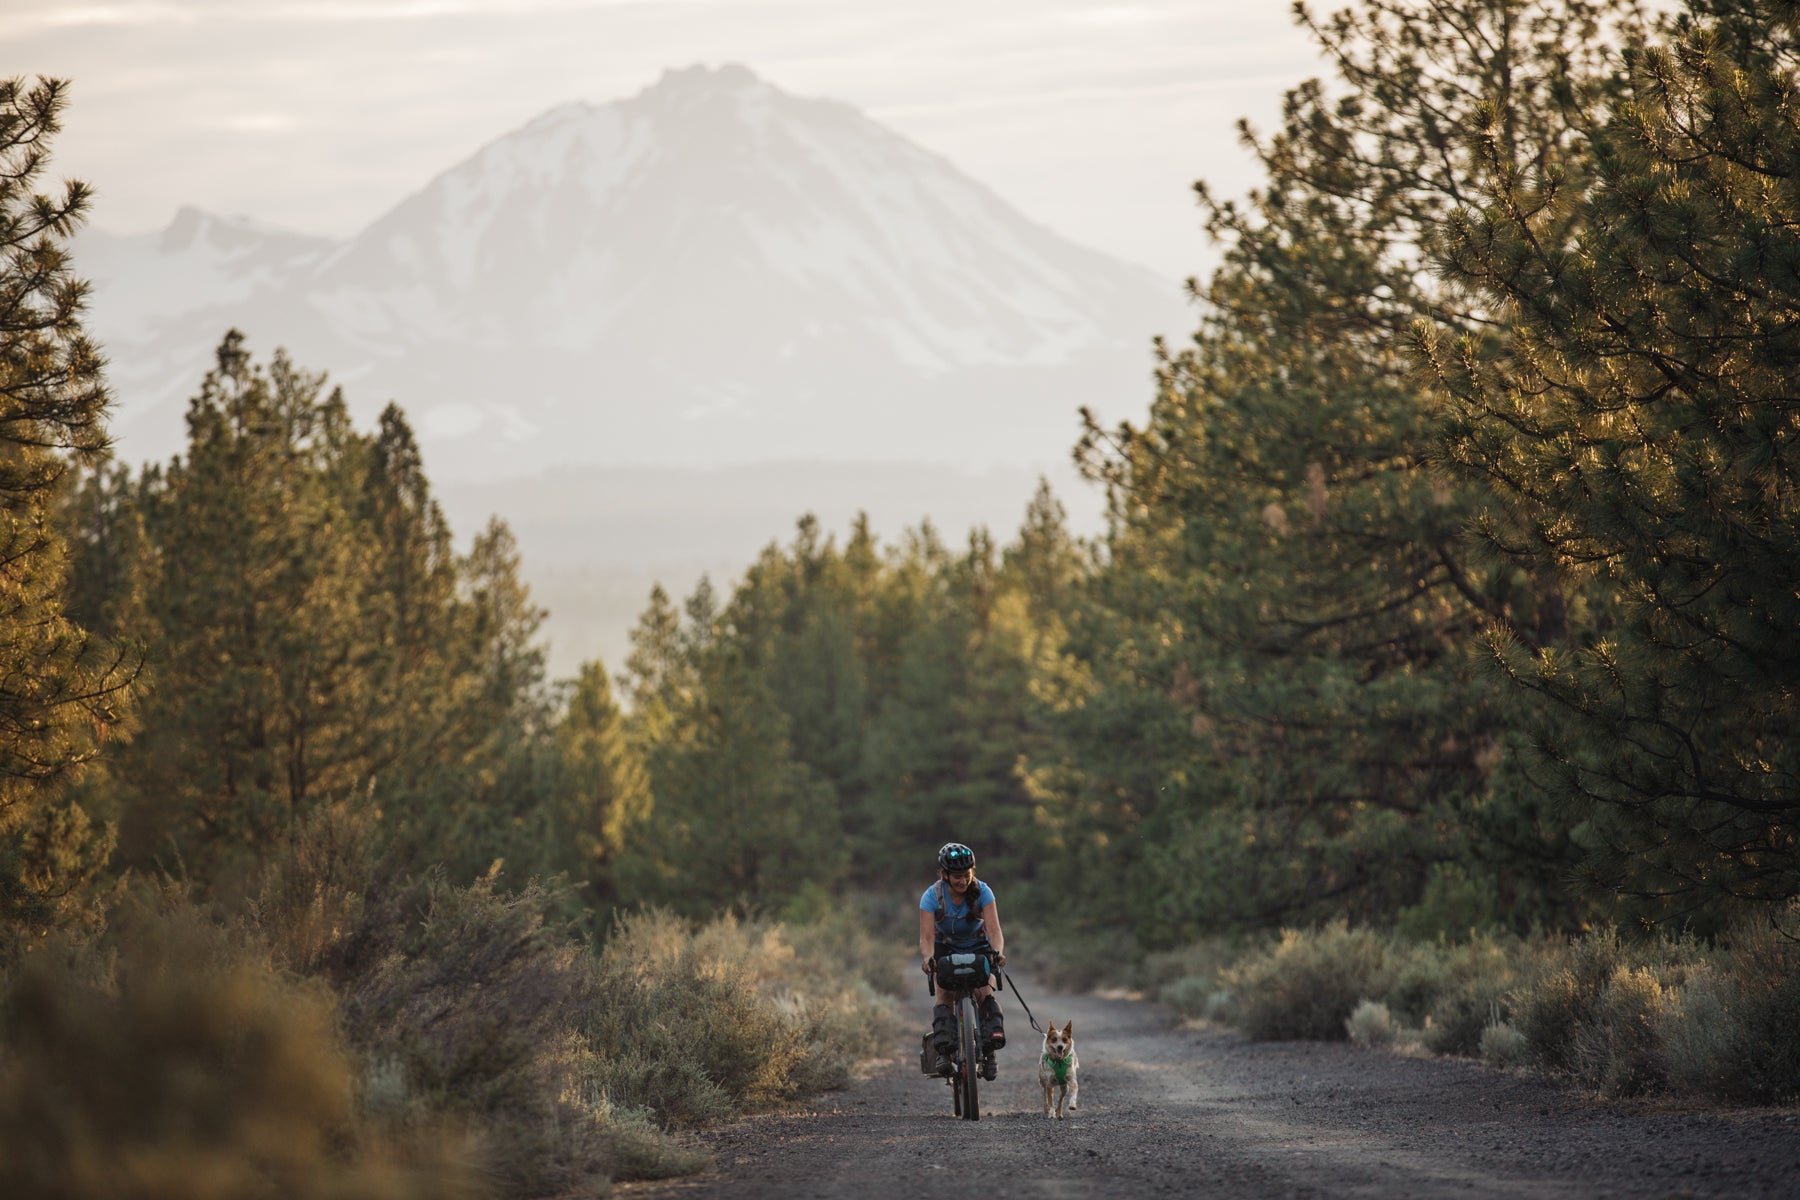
(1449, 597)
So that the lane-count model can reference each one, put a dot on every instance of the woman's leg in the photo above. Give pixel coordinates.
(993, 1025)
(943, 1035)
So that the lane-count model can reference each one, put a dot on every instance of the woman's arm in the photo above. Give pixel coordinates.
(927, 937)
(990, 918)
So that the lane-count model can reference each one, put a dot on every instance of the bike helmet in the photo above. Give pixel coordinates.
(954, 856)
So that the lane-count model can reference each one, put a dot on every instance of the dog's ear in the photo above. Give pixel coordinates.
(1069, 1029)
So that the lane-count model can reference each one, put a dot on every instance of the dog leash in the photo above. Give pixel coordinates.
(1008, 980)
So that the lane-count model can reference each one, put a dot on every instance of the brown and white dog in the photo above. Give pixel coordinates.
(1057, 1067)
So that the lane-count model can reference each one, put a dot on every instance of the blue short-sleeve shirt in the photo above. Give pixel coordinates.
(959, 926)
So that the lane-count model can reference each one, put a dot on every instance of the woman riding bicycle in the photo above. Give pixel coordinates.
(957, 915)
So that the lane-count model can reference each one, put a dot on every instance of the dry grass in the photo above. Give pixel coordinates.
(183, 1066)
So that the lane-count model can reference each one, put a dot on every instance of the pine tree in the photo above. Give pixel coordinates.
(604, 790)
(498, 802)
(1298, 592)
(794, 615)
(1046, 562)
(656, 677)
(415, 618)
(1644, 442)
(61, 689)
(253, 591)
(735, 820)
(98, 514)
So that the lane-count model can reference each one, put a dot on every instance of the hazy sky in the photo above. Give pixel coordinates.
(319, 115)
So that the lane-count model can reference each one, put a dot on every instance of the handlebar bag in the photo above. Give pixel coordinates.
(962, 970)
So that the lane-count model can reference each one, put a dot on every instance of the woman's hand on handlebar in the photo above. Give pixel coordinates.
(999, 959)
(927, 966)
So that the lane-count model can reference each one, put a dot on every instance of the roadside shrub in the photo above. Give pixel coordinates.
(185, 1067)
(639, 1150)
(1081, 960)
(1189, 979)
(308, 897)
(1502, 1046)
(475, 1001)
(1560, 999)
(1307, 985)
(1200, 998)
(1421, 975)
(1371, 1025)
(1733, 1032)
(1621, 1052)
(1591, 1010)
(842, 945)
(1206, 959)
(1471, 995)
(694, 1025)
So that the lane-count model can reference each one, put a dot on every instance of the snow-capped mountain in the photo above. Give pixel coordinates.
(711, 271)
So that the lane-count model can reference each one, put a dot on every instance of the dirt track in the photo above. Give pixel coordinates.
(1204, 1112)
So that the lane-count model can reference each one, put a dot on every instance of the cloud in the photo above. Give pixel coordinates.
(256, 123)
(1115, 15)
(56, 16)
(39, 15)
(1094, 93)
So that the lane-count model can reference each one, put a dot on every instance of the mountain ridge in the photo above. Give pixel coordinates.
(712, 270)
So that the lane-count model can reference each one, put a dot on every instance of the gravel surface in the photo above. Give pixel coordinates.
(1201, 1111)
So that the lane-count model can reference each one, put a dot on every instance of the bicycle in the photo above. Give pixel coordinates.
(971, 1060)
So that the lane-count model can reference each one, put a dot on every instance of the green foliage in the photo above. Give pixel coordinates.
(313, 636)
(1295, 603)
(1641, 443)
(737, 822)
(308, 897)
(1190, 978)
(604, 791)
(61, 688)
(1469, 994)
(250, 595)
(845, 709)
(1502, 1046)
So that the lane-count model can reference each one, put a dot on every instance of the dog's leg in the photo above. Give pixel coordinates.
(1074, 1088)
(1046, 1088)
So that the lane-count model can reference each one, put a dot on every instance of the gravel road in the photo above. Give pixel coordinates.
(1187, 1111)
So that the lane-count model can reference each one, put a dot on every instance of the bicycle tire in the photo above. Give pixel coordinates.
(956, 1092)
(969, 1075)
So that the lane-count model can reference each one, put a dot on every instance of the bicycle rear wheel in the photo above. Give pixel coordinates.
(969, 1072)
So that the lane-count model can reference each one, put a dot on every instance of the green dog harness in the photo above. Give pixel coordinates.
(1058, 1067)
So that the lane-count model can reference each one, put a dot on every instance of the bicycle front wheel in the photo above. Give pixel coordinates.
(969, 1076)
